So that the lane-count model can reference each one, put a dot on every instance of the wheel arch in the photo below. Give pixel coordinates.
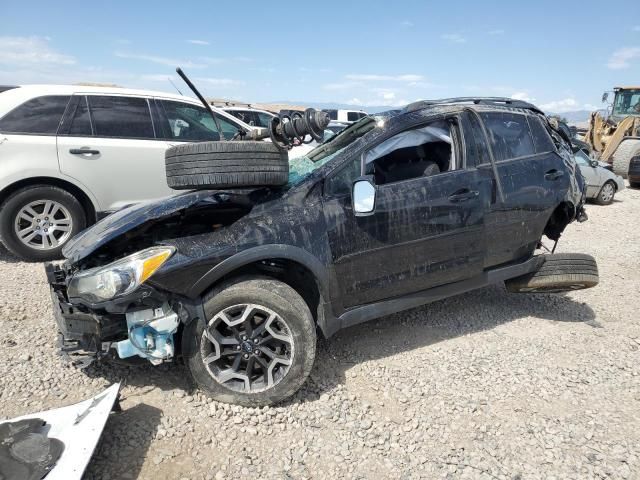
(291, 265)
(78, 192)
(561, 216)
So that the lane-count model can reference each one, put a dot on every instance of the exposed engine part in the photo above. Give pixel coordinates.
(285, 130)
(150, 334)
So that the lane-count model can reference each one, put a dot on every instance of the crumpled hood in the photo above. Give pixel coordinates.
(129, 218)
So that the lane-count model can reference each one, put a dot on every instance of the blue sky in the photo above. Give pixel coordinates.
(561, 55)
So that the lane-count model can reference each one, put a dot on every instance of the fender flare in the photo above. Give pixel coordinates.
(263, 252)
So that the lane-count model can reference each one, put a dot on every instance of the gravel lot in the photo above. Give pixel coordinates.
(484, 385)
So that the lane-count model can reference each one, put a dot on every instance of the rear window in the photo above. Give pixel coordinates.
(509, 135)
(39, 115)
(353, 116)
(121, 117)
(333, 114)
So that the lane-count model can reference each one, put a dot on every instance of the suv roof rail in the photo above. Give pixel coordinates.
(498, 101)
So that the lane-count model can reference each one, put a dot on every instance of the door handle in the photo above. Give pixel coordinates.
(553, 174)
(84, 151)
(463, 195)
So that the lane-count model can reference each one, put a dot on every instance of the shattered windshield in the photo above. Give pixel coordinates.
(627, 102)
(301, 167)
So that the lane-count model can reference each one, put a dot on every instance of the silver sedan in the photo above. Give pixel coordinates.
(602, 183)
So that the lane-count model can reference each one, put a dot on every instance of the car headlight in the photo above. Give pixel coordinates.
(120, 277)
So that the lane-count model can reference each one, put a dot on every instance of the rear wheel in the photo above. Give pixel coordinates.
(255, 347)
(606, 194)
(37, 221)
(560, 272)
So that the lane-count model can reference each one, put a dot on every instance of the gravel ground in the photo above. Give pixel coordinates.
(485, 385)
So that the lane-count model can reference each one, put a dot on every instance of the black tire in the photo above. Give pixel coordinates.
(226, 165)
(634, 184)
(622, 157)
(20, 199)
(603, 197)
(560, 272)
(266, 293)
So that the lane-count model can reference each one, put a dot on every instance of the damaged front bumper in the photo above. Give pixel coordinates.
(142, 323)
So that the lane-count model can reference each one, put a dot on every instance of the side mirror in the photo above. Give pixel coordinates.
(594, 163)
(363, 196)
(605, 96)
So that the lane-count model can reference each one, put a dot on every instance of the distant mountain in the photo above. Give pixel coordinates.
(576, 116)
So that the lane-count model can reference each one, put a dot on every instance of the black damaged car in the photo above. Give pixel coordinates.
(398, 210)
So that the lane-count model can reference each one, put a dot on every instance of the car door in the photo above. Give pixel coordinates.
(593, 176)
(530, 177)
(109, 145)
(425, 230)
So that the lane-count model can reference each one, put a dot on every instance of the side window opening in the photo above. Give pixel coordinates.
(39, 116)
(509, 135)
(541, 139)
(121, 117)
(340, 182)
(190, 123)
(420, 152)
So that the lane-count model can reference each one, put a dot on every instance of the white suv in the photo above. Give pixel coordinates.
(72, 154)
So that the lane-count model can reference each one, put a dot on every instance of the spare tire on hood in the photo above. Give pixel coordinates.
(225, 164)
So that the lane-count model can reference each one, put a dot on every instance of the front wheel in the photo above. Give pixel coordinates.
(37, 221)
(606, 194)
(256, 345)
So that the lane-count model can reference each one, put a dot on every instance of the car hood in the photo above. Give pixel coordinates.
(131, 217)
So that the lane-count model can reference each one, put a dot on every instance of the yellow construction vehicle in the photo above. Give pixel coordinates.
(615, 138)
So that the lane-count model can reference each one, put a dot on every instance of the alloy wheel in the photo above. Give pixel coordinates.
(607, 192)
(247, 348)
(43, 224)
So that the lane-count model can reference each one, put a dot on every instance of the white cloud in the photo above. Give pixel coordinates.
(157, 77)
(169, 62)
(198, 42)
(219, 82)
(496, 32)
(636, 28)
(523, 96)
(23, 51)
(406, 23)
(622, 57)
(453, 38)
(382, 78)
(566, 105)
(341, 85)
(355, 101)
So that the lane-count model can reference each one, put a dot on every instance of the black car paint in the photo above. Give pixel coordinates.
(420, 244)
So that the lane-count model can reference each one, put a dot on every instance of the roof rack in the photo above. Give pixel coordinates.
(502, 101)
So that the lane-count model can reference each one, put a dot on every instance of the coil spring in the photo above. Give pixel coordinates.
(286, 130)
